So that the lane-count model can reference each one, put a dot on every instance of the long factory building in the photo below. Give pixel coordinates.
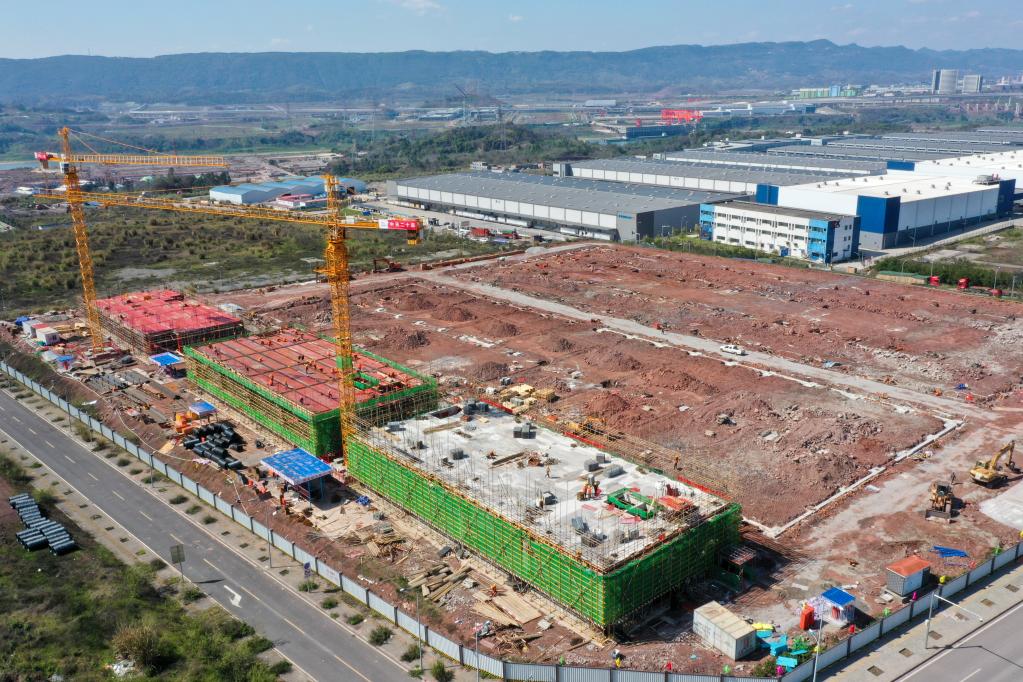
(687, 174)
(782, 162)
(584, 208)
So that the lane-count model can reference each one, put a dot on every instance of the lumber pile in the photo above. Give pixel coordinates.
(437, 581)
(505, 607)
(385, 543)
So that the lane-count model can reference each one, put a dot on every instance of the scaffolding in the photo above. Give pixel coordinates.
(287, 383)
(603, 564)
(149, 322)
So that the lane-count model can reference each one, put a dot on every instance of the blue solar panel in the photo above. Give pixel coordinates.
(297, 466)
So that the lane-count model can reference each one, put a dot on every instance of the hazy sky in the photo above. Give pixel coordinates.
(142, 28)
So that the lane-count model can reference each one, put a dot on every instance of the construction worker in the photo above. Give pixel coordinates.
(548, 471)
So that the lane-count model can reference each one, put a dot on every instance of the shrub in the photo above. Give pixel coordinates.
(355, 619)
(411, 654)
(329, 603)
(135, 472)
(45, 497)
(307, 586)
(259, 644)
(191, 594)
(281, 668)
(193, 509)
(179, 499)
(123, 461)
(157, 564)
(236, 629)
(140, 643)
(380, 635)
(209, 518)
(765, 668)
(440, 672)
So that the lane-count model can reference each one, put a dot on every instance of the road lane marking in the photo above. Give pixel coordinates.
(119, 495)
(15, 418)
(236, 599)
(146, 515)
(32, 431)
(50, 444)
(971, 675)
(92, 476)
(965, 639)
(176, 539)
(69, 459)
(242, 588)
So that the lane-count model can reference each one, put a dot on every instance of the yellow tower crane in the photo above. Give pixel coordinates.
(335, 255)
(69, 163)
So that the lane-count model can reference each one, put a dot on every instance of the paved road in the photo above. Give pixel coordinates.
(994, 653)
(709, 346)
(314, 642)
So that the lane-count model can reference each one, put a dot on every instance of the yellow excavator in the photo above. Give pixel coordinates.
(989, 473)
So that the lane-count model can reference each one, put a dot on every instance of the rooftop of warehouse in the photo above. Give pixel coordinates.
(163, 310)
(926, 145)
(780, 210)
(1007, 160)
(696, 169)
(998, 138)
(302, 368)
(575, 193)
(906, 184)
(508, 475)
(755, 159)
(824, 151)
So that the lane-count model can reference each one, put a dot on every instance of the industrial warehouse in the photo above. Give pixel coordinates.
(687, 175)
(581, 208)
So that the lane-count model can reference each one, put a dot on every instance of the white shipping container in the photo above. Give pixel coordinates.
(723, 630)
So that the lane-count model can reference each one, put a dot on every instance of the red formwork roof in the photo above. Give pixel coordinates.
(163, 310)
(302, 368)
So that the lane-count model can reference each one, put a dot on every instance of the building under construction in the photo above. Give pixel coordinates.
(599, 534)
(288, 383)
(152, 321)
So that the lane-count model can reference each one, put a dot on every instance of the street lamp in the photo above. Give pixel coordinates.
(419, 626)
(269, 534)
(930, 613)
(816, 650)
(485, 626)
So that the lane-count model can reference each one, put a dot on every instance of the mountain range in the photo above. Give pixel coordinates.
(407, 76)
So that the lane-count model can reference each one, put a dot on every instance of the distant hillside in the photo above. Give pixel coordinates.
(313, 76)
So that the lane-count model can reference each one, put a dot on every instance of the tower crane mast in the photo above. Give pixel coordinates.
(333, 222)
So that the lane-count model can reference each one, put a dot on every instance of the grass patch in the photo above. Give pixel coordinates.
(12, 470)
(308, 586)
(208, 519)
(123, 461)
(281, 668)
(191, 593)
(440, 672)
(411, 654)
(194, 509)
(179, 499)
(355, 618)
(329, 603)
(135, 472)
(72, 615)
(258, 644)
(380, 635)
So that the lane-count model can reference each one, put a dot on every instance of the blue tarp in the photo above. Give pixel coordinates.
(297, 466)
(949, 552)
(838, 597)
(201, 409)
(165, 359)
(23, 318)
(65, 358)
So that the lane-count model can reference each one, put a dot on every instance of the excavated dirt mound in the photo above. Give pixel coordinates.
(614, 360)
(404, 339)
(607, 405)
(499, 328)
(489, 371)
(558, 344)
(415, 301)
(454, 313)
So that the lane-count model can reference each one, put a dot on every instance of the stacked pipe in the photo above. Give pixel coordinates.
(40, 531)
